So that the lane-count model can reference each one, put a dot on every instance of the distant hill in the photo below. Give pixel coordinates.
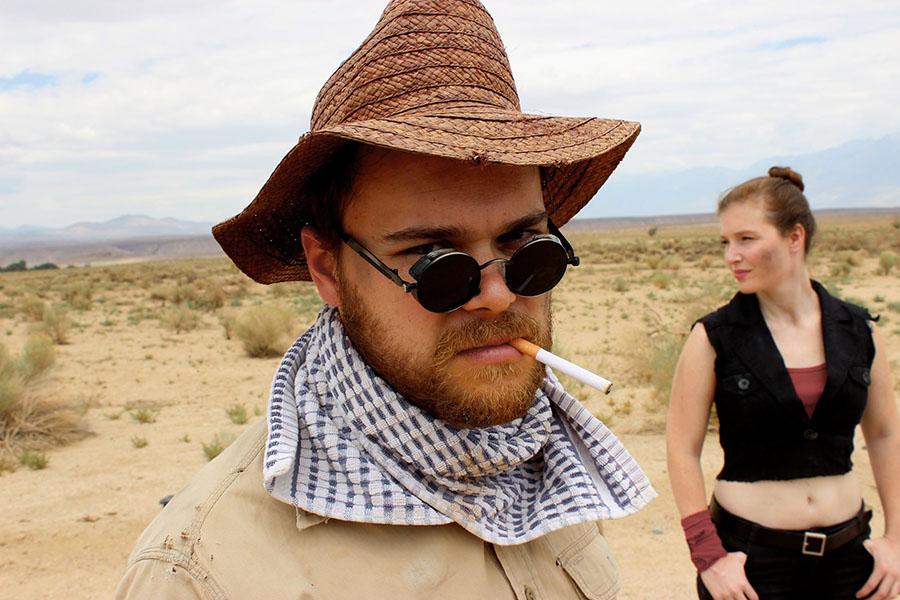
(858, 174)
(126, 227)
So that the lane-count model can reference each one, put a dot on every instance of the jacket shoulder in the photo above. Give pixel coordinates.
(721, 316)
(175, 544)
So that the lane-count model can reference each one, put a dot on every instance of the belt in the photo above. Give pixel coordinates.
(814, 542)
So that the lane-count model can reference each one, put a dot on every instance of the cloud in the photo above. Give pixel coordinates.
(188, 106)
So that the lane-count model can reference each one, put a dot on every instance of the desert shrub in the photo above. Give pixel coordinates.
(161, 292)
(661, 280)
(30, 423)
(661, 356)
(841, 269)
(706, 261)
(38, 355)
(211, 297)
(33, 459)
(8, 463)
(228, 318)
(182, 293)
(620, 284)
(237, 413)
(652, 231)
(670, 262)
(32, 308)
(217, 445)
(144, 413)
(79, 296)
(139, 441)
(11, 387)
(264, 331)
(886, 262)
(56, 325)
(652, 261)
(180, 318)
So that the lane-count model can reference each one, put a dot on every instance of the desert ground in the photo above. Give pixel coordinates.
(122, 380)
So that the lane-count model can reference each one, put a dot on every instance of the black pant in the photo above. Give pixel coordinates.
(779, 574)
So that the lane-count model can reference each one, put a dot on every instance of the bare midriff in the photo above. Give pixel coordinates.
(793, 504)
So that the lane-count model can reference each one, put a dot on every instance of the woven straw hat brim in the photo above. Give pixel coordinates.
(576, 156)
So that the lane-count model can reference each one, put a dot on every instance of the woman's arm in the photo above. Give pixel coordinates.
(881, 428)
(693, 387)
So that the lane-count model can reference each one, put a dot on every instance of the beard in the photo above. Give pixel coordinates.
(462, 396)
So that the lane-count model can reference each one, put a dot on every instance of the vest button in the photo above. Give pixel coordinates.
(867, 377)
(743, 384)
(810, 434)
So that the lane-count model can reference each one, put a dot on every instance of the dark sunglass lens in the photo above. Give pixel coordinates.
(448, 282)
(536, 267)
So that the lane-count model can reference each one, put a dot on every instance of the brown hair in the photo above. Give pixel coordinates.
(329, 190)
(782, 192)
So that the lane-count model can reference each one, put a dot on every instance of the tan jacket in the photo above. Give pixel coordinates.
(223, 536)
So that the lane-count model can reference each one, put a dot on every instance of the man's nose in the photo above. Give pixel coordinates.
(495, 296)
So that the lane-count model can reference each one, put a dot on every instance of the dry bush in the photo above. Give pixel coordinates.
(79, 296)
(264, 331)
(139, 441)
(33, 459)
(211, 297)
(55, 325)
(143, 412)
(886, 262)
(24, 420)
(661, 280)
(32, 308)
(217, 445)
(181, 318)
(228, 318)
(37, 356)
(32, 423)
(237, 413)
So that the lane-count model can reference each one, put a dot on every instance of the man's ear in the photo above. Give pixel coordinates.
(322, 263)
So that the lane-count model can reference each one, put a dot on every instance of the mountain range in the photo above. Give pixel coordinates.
(861, 174)
(857, 174)
(126, 227)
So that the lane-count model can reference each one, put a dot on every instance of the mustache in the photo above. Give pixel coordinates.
(479, 332)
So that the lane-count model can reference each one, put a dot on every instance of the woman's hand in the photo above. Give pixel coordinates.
(885, 578)
(725, 579)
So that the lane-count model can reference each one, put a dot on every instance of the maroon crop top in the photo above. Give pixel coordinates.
(809, 383)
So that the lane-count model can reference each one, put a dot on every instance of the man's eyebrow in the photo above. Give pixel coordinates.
(448, 232)
(433, 232)
(531, 220)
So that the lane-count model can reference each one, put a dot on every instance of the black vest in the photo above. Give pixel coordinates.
(763, 428)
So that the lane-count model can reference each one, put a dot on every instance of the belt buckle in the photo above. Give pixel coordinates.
(817, 539)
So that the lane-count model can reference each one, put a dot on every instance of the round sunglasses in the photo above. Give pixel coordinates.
(445, 279)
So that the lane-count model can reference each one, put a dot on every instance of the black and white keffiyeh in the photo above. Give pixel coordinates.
(342, 444)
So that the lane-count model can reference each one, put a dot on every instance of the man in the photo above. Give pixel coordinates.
(411, 451)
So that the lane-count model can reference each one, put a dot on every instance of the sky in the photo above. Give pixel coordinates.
(182, 109)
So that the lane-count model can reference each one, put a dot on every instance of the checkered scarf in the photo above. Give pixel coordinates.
(342, 444)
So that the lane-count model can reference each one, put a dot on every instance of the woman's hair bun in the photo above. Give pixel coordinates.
(789, 174)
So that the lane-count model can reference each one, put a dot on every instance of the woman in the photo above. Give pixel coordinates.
(791, 370)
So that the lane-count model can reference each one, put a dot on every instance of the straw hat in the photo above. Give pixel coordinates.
(432, 78)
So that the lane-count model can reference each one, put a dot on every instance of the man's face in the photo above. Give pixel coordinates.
(455, 365)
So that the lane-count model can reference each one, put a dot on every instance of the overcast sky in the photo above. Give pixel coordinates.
(183, 108)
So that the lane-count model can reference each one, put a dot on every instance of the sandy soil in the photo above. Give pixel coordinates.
(67, 530)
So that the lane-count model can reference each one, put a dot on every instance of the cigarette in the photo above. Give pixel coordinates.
(561, 365)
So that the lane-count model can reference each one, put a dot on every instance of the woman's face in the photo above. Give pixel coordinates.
(757, 254)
